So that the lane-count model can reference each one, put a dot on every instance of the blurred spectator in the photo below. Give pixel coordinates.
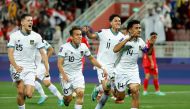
(168, 27)
(56, 38)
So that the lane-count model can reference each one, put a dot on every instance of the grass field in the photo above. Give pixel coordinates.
(178, 97)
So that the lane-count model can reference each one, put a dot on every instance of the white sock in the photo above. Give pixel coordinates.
(77, 106)
(39, 88)
(21, 107)
(99, 88)
(134, 108)
(102, 102)
(54, 90)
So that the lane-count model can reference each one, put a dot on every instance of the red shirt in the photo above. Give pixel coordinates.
(146, 60)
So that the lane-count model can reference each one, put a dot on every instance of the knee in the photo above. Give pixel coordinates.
(29, 95)
(20, 93)
(79, 99)
(47, 84)
(120, 95)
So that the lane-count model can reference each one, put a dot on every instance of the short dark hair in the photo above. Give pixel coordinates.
(113, 16)
(74, 28)
(23, 16)
(153, 33)
(131, 23)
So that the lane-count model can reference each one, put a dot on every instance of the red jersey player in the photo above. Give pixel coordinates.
(151, 69)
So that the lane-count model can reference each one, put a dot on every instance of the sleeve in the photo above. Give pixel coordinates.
(47, 45)
(143, 46)
(122, 37)
(62, 52)
(39, 43)
(11, 42)
(100, 34)
(87, 51)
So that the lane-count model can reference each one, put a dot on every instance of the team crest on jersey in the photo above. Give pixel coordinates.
(81, 53)
(31, 42)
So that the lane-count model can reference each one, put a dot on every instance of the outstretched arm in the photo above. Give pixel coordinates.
(89, 34)
(97, 64)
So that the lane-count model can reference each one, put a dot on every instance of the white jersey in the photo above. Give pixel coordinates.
(130, 54)
(73, 57)
(107, 41)
(38, 55)
(25, 48)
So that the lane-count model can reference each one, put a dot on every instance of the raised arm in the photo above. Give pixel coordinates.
(89, 33)
(120, 45)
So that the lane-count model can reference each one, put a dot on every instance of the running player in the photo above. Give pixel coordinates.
(45, 79)
(21, 52)
(70, 67)
(108, 38)
(127, 72)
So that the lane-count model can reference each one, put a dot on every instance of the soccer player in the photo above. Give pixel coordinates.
(70, 67)
(108, 38)
(45, 79)
(127, 72)
(151, 69)
(21, 52)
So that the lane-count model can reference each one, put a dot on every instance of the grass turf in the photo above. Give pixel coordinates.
(177, 97)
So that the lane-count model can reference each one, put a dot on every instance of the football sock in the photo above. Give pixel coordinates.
(54, 90)
(145, 84)
(102, 101)
(156, 84)
(21, 107)
(99, 88)
(39, 88)
(78, 106)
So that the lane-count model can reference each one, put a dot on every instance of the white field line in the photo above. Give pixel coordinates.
(172, 92)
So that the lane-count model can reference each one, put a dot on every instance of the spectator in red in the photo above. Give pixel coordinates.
(151, 69)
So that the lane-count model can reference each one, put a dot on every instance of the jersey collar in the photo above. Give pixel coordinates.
(25, 34)
(114, 33)
(74, 46)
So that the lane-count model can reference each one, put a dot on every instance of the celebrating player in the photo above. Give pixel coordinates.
(21, 52)
(70, 67)
(45, 79)
(108, 38)
(127, 72)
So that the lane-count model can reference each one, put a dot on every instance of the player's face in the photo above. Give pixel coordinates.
(77, 36)
(116, 23)
(27, 23)
(135, 31)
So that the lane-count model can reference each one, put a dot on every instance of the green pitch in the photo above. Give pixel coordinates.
(177, 97)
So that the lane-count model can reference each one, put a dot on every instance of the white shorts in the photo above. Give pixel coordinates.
(27, 75)
(75, 82)
(41, 72)
(109, 69)
(125, 77)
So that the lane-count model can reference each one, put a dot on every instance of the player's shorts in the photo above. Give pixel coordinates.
(77, 81)
(154, 71)
(27, 76)
(41, 72)
(124, 77)
(109, 69)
